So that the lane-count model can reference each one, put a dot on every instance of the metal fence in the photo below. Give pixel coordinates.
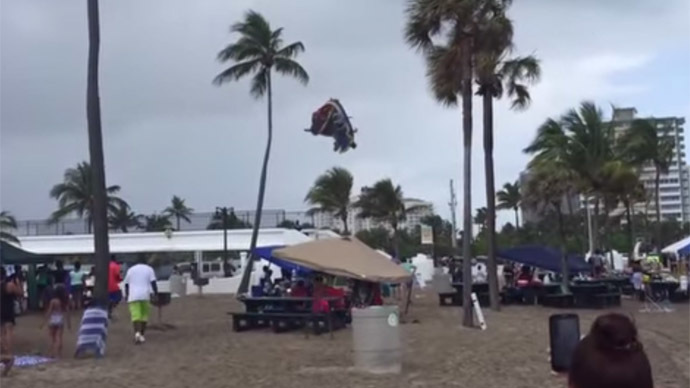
(270, 218)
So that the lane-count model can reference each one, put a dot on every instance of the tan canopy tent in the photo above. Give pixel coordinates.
(347, 257)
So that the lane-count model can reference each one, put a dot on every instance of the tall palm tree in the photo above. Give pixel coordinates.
(450, 69)
(75, 195)
(331, 193)
(643, 144)
(496, 73)
(383, 202)
(259, 50)
(546, 187)
(510, 198)
(582, 142)
(7, 224)
(157, 222)
(179, 210)
(123, 218)
(99, 210)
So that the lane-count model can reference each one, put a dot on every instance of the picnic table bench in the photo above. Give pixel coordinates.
(287, 313)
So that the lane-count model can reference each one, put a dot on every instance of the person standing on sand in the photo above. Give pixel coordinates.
(9, 292)
(114, 279)
(140, 282)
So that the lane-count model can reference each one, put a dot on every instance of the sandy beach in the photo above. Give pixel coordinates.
(202, 351)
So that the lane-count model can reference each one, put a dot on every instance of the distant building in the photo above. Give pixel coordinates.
(417, 210)
(674, 187)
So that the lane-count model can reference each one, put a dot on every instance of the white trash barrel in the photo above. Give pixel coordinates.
(376, 339)
(178, 285)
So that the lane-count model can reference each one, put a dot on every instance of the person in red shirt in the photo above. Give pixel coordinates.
(114, 279)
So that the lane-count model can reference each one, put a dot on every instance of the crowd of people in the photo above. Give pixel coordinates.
(61, 292)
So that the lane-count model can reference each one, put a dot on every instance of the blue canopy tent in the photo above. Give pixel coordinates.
(266, 253)
(543, 257)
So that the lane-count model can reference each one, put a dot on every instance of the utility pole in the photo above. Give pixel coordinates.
(453, 204)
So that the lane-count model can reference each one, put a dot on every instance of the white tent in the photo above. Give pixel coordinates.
(677, 246)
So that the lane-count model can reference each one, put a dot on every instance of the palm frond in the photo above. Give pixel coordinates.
(287, 66)
(260, 83)
(237, 71)
(291, 50)
(245, 48)
(443, 71)
(255, 26)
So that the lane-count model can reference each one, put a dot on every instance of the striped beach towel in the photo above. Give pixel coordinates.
(93, 332)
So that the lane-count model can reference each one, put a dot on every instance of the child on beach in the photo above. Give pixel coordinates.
(57, 315)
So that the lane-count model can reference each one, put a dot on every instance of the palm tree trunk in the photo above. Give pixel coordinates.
(396, 244)
(607, 231)
(631, 234)
(246, 276)
(467, 319)
(93, 115)
(178, 222)
(658, 208)
(487, 101)
(346, 231)
(517, 219)
(595, 223)
(565, 271)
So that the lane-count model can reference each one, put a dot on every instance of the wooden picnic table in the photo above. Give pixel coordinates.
(288, 304)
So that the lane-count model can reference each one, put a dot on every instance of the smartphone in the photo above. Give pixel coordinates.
(564, 333)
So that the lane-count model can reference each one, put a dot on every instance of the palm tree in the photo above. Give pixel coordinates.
(99, 199)
(494, 74)
(259, 50)
(481, 218)
(510, 198)
(179, 210)
(581, 142)
(76, 195)
(643, 144)
(157, 222)
(331, 193)
(123, 218)
(546, 187)
(7, 224)
(623, 185)
(232, 222)
(450, 69)
(383, 202)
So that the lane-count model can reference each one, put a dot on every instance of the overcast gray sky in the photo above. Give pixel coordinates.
(168, 130)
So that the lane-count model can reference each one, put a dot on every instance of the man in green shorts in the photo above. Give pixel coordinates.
(140, 283)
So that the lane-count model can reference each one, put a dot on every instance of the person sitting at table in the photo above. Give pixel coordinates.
(299, 290)
(525, 277)
(319, 292)
(265, 282)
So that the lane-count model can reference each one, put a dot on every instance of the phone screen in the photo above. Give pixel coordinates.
(564, 331)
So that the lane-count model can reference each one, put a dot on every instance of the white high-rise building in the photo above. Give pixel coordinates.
(674, 187)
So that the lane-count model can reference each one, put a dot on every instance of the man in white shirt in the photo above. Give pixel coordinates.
(140, 282)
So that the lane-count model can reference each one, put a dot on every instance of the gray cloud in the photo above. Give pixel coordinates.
(169, 131)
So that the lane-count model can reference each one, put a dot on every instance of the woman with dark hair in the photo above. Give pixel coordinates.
(610, 356)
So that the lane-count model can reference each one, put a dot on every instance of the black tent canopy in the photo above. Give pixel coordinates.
(11, 255)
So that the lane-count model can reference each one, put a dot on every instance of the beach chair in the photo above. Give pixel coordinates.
(93, 332)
